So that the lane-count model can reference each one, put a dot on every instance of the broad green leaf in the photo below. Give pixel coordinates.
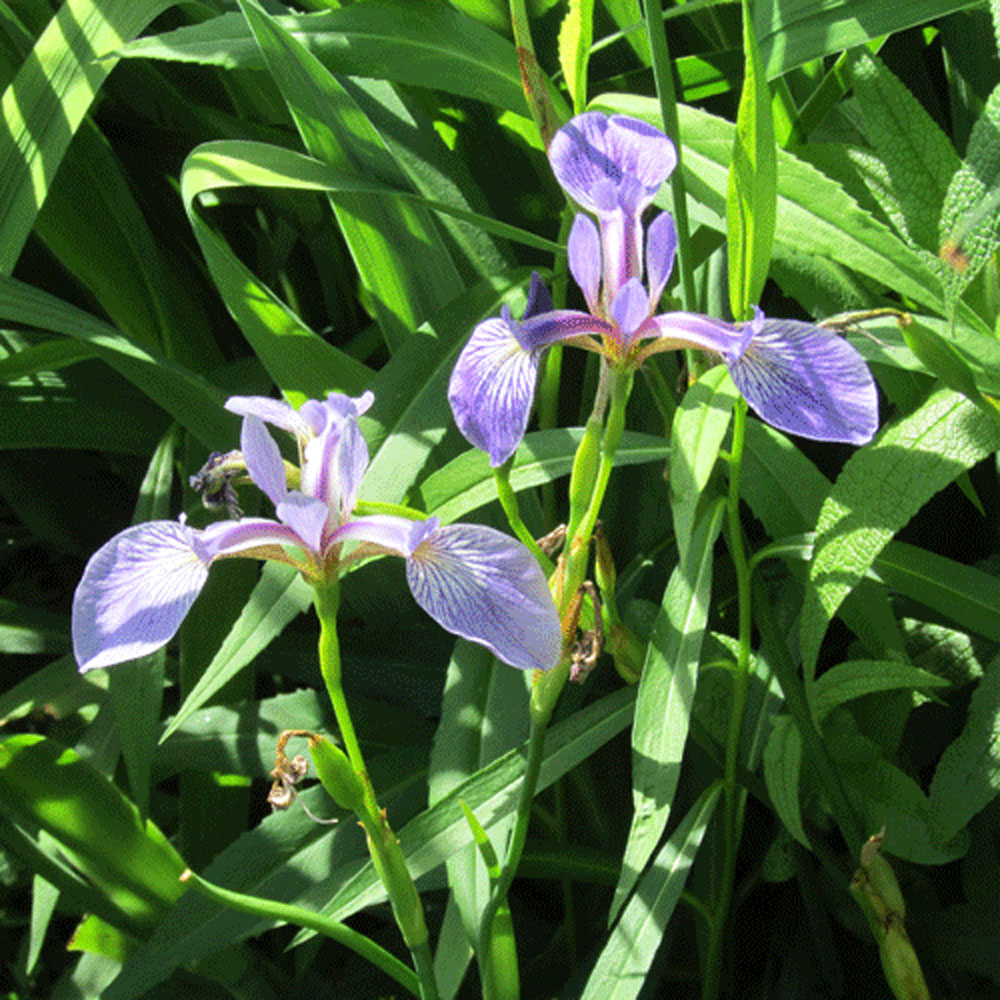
(466, 482)
(967, 777)
(50, 785)
(782, 770)
(425, 45)
(484, 713)
(47, 100)
(576, 35)
(288, 857)
(190, 399)
(856, 678)
(25, 629)
(279, 596)
(397, 249)
(970, 216)
(699, 428)
(918, 158)
(944, 360)
(751, 198)
(48, 356)
(879, 489)
(665, 699)
(58, 690)
(625, 960)
(136, 687)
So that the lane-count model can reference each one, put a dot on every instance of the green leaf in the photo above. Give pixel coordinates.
(466, 482)
(424, 45)
(967, 777)
(856, 678)
(665, 699)
(397, 249)
(919, 159)
(879, 489)
(625, 960)
(46, 102)
(51, 786)
(279, 596)
(576, 35)
(699, 428)
(751, 199)
(782, 770)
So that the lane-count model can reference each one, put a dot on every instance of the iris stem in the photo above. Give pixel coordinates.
(334, 929)
(508, 501)
(386, 854)
(735, 796)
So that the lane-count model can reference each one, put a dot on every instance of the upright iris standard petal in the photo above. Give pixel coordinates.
(134, 593)
(661, 247)
(484, 586)
(492, 388)
(630, 310)
(276, 412)
(583, 250)
(263, 460)
(806, 380)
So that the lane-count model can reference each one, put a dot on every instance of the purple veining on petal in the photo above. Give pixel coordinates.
(263, 460)
(583, 249)
(134, 593)
(661, 247)
(806, 380)
(484, 586)
(629, 309)
(492, 388)
(558, 325)
(681, 329)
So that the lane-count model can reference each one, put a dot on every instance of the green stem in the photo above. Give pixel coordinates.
(386, 854)
(333, 929)
(734, 795)
(508, 501)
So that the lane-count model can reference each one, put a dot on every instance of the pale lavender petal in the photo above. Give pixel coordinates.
(583, 249)
(592, 155)
(134, 593)
(482, 585)
(306, 516)
(272, 411)
(630, 309)
(398, 535)
(246, 536)
(492, 388)
(681, 329)
(806, 380)
(661, 246)
(335, 460)
(263, 459)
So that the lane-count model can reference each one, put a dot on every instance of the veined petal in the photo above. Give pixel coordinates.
(307, 517)
(630, 309)
(263, 459)
(492, 388)
(539, 299)
(807, 380)
(134, 593)
(583, 249)
(276, 412)
(484, 586)
(661, 246)
(593, 153)
(682, 329)
(335, 460)
(398, 535)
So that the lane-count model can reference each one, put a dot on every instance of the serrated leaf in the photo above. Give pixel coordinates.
(625, 960)
(665, 700)
(919, 158)
(879, 489)
(699, 428)
(751, 198)
(967, 777)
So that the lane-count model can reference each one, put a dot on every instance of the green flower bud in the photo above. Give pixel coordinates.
(337, 775)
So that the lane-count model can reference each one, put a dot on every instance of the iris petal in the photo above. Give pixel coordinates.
(583, 249)
(482, 585)
(263, 459)
(807, 380)
(134, 593)
(276, 412)
(492, 388)
(682, 329)
(661, 246)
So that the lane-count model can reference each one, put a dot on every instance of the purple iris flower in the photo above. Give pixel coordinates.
(474, 581)
(799, 377)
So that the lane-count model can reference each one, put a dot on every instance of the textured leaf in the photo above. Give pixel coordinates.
(625, 960)
(665, 700)
(856, 678)
(575, 38)
(967, 777)
(782, 770)
(879, 489)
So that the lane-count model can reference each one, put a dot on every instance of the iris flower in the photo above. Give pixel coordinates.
(474, 581)
(799, 377)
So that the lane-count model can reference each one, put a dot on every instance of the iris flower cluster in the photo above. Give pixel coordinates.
(474, 581)
(799, 377)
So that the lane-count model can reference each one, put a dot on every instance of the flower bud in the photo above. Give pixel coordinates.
(336, 774)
